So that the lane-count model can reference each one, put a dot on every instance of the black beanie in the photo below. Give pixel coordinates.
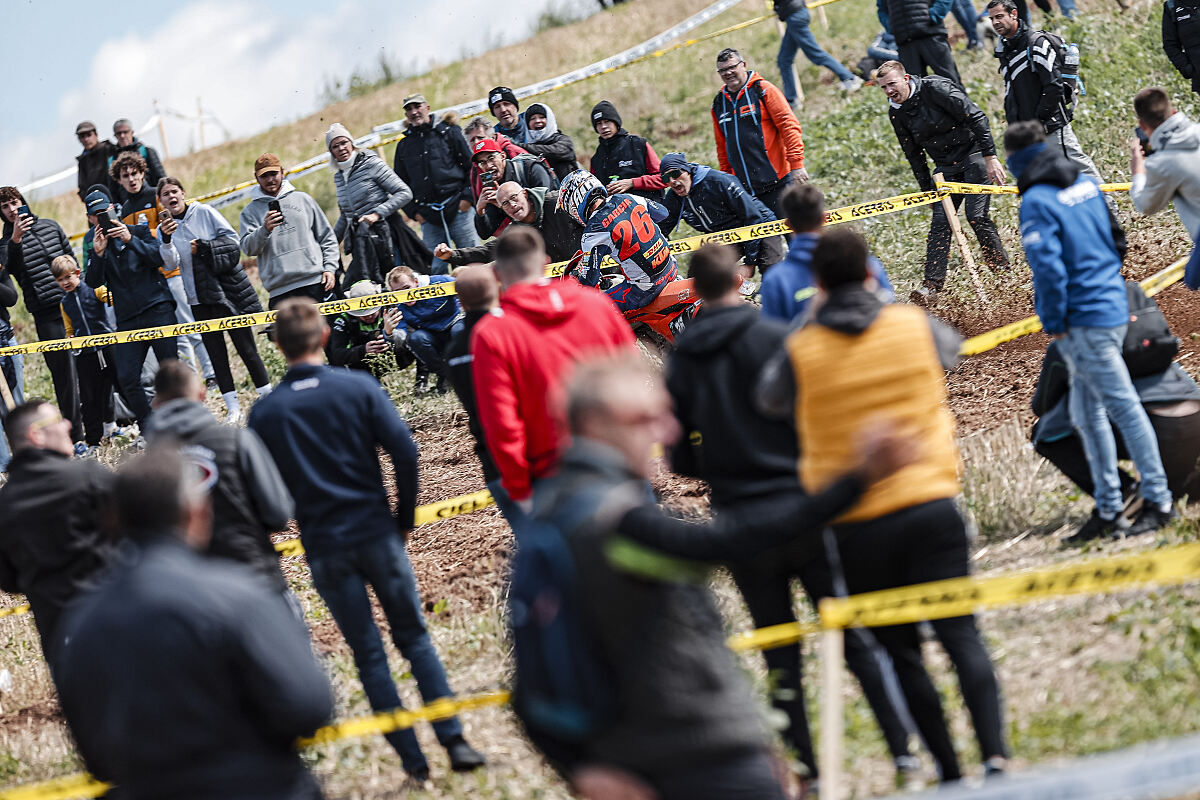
(501, 93)
(605, 110)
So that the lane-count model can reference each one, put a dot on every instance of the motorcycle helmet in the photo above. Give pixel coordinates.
(577, 190)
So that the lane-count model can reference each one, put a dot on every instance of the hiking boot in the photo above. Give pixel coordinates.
(442, 386)
(924, 295)
(1151, 519)
(463, 757)
(851, 84)
(1098, 527)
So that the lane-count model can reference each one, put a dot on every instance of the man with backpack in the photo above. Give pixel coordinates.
(1074, 247)
(623, 679)
(1040, 83)
(495, 168)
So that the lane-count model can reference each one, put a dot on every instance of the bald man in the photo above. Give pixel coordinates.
(536, 207)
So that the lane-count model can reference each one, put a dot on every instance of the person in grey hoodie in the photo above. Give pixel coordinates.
(1170, 171)
(250, 499)
(296, 248)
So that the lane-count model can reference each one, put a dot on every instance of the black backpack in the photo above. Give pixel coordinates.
(1149, 347)
(521, 164)
(564, 689)
(1071, 82)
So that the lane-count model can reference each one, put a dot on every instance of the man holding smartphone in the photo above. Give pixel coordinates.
(288, 233)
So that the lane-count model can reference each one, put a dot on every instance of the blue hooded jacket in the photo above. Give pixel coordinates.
(789, 285)
(716, 202)
(433, 314)
(1071, 243)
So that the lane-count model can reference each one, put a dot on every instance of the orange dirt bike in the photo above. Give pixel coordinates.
(660, 322)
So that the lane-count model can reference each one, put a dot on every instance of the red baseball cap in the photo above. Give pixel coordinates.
(486, 146)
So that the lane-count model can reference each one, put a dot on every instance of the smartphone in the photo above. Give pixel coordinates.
(1144, 140)
(163, 216)
(104, 221)
(490, 182)
(273, 205)
(23, 211)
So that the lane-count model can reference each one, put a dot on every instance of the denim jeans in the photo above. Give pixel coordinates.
(511, 511)
(1064, 139)
(1101, 389)
(428, 346)
(18, 362)
(341, 579)
(438, 231)
(799, 36)
(964, 12)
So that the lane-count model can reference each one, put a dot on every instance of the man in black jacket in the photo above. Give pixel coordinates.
(250, 500)
(496, 168)
(93, 161)
(746, 457)
(51, 545)
(1181, 38)
(681, 726)
(434, 160)
(27, 247)
(536, 206)
(624, 162)
(920, 35)
(171, 637)
(1034, 85)
(934, 115)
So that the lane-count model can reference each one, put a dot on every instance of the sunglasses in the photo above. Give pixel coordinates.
(672, 174)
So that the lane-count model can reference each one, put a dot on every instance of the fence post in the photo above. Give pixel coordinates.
(833, 648)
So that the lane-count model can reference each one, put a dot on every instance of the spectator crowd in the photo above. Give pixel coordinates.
(813, 404)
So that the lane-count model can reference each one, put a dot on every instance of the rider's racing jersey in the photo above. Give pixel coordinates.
(625, 227)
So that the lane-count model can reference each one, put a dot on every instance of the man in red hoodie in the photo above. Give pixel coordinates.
(524, 352)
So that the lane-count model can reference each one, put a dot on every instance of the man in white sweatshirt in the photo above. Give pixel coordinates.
(1171, 171)
(296, 250)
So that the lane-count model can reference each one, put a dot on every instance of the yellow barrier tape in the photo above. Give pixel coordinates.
(399, 719)
(67, 788)
(959, 596)
(771, 637)
(992, 339)
(957, 187)
(14, 610)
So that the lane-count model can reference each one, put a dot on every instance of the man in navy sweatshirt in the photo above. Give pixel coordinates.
(323, 427)
(1074, 247)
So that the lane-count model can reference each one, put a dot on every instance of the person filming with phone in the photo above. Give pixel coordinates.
(288, 233)
(496, 168)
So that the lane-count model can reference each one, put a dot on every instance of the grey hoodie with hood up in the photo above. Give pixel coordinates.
(1172, 172)
(298, 251)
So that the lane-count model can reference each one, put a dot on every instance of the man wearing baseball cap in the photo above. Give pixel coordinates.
(93, 161)
(496, 168)
(434, 160)
(360, 338)
(290, 236)
(502, 102)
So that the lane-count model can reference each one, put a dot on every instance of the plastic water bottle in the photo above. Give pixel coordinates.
(142, 219)
(1070, 69)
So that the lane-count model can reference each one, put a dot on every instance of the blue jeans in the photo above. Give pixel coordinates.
(1101, 389)
(799, 36)
(428, 346)
(508, 507)
(1067, 7)
(18, 362)
(341, 579)
(437, 231)
(964, 12)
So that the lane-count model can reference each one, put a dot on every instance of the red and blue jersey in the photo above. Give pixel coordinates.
(626, 228)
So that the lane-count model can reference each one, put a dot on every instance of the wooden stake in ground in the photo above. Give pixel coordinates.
(961, 239)
(832, 719)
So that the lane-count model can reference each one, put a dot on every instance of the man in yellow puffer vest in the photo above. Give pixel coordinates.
(858, 363)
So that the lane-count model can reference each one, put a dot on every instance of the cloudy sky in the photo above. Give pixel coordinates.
(254, 63)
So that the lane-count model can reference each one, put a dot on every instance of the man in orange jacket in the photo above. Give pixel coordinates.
(758, 137)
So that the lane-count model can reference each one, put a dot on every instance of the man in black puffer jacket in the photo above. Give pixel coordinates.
(1181, 38)
(920, 35)
(249, 498)
(28, 245)
(934, 115)
(434, 160)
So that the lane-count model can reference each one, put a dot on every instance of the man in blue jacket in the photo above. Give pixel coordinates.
(427, 326)
(710, 200)
(323, 427)
(1074, 247)
(791, 284)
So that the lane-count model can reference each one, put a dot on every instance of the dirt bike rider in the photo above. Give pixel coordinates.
(625, 227)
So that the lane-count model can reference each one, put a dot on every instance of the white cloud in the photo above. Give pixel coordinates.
(252, 67)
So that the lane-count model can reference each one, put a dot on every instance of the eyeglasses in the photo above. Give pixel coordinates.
(725, 72)
(513, 201)
(672, 174)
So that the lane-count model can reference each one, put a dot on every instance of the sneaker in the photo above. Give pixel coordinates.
(994, 767)
(975, 45)
(127, 432)
(417, 779)
(924, 295)
(422, 384)
(210, 384)
(81, 449)
(442, 386)
(748, 288)
(234, 416)
(1098, 527)
(851, 84)
(909, 775)
(1151, 519)
(463, 757)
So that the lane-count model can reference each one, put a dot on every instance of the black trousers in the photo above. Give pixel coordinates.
(243, 342)
(97, 381)
(1178, 444)
(766, 586)
(927, 542)
(930, 53)
(941, 238)
(62, 370)
(130, 356)
(314, 291)
(770, 197)
(747, 776)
